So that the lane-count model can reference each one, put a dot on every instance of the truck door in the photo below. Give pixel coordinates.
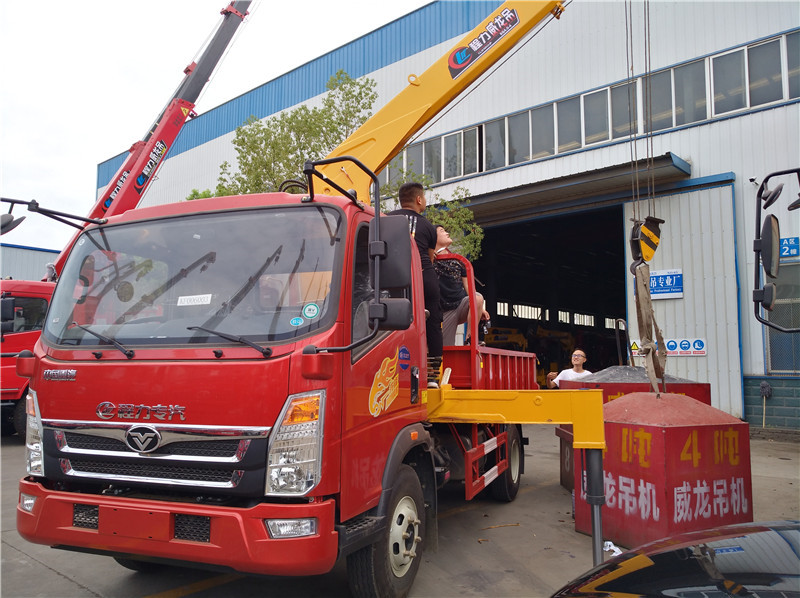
(377, 388)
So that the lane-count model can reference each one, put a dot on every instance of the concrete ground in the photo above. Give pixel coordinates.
(528, 548)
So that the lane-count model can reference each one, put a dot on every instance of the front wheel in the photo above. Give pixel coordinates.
(388, 567)
(505, 487)
(21, 417)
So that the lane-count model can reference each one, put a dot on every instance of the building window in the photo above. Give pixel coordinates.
(793, 64)
(623, 110)
(690, 93)
(595, 116)
(563, 317)
(471, 150)
(414, 159)
(519, 138)
(452, 155)
(583, 319)
(764, 73)
(729, 87)
(502, 308)
(783, 348)
(528, 312)
(433, 160)
(569, 124)
(495, 143)
(543, 136)
(657, 98)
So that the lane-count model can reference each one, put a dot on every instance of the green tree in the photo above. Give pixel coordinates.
(274, 150)
(453, 214)
(459, 221)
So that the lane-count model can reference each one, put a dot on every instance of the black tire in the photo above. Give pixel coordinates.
(387, 568)
(506, 486)
(7, 423)
(141, 566)
(21, 417)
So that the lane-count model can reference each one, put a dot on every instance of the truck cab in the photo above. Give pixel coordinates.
(24, 305)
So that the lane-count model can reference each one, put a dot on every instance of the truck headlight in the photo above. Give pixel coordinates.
(295, 446)
(34, 451)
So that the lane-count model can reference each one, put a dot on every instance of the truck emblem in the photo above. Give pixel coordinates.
(142, 439)
(60, 375)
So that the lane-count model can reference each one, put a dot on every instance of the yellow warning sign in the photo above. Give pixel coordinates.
(634, 346)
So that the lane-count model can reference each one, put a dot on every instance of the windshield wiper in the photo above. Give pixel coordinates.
(265, 351)
(127, 352)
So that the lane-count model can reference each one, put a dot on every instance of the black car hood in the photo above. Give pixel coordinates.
(749, 559)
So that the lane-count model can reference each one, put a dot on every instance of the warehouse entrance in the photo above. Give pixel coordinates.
(557, 282)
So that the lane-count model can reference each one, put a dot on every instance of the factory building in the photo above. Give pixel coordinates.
(616, 111)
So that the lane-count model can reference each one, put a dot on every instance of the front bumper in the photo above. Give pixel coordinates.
(223, 536)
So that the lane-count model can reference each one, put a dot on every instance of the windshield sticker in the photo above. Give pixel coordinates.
(385, 386)
(311, 311)
(298, 321)
(185, 300)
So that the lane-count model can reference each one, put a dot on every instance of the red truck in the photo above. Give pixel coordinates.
(24, 307)
(143, 159)
(236, 382)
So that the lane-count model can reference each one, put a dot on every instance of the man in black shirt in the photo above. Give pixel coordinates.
(412, 204)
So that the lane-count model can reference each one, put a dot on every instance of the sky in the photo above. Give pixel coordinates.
(81, 82)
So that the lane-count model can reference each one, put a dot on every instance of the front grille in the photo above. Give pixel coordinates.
(206, 448)
(190, 460)
(195, 528)
(85, 516)
(149, 469)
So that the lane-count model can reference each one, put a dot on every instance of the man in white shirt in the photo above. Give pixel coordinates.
(575, 373)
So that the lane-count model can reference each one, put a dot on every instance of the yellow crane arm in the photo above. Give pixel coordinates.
(379, 139)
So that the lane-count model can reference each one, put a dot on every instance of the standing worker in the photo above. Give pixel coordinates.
(576, 372)
(454, 289)
(412, 204)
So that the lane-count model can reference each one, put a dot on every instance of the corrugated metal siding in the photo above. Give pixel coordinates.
(698, 239)
(25, 263)
(395, 41)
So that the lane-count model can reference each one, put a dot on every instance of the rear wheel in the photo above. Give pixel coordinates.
(388, 567)
(505, 487)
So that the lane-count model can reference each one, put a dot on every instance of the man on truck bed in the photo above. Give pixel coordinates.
(412, 204)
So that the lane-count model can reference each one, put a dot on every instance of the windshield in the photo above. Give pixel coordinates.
(265, 275)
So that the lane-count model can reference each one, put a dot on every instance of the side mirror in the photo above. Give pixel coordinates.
(7, 316)
(770, 246)
(9, 223)
(393, 313)
(394, 249)
(766, 296)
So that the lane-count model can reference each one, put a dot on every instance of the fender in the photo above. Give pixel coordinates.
(412, 445)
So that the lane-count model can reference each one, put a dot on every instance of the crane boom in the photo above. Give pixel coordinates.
(379, 139)
(145, 156)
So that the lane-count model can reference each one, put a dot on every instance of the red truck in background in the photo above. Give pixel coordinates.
(125, 191)
(234, 382)
(22, 323)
